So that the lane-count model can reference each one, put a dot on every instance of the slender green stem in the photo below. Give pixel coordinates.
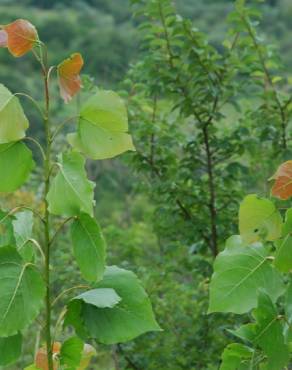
(35, 103)
(47, 170)
(64, 292)
(60, 228)
(37, 144)
(60, 127)
(19, 208)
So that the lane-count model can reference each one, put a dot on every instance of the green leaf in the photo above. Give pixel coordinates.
(22, 225)
(288, 312)
(267, 333)
(13, 121)
(89, 247)
(259, 219)
(239, 271)
(71, 192)
(32, 367)
(10, 349)
(102, 128)
(16, 164)
(6, 229)
(130, 318)
(102, 297)
(287, 226)
(235, 355)
(21, 290)
(283, 256)
(71, 353)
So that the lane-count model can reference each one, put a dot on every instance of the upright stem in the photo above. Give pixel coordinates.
(212, 195)
(47, 167)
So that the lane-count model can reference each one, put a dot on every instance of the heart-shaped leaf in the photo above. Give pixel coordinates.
(102, 128)
(239, 271)
(68, 74)
(282, 187)
(22, 291)
(131, 317)
(13, 122)
(22, 226)
(71, 192)
(21, 37)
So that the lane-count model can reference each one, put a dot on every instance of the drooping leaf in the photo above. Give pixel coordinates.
(6, 229)
(89, 247)
(288, 312)
(282, 187)
(101, 297)
(259, 219)
(41, 360)
(239, 271)
(3, 39)
(267, 333)
(22, 226)
(74, 318)
(16, 164)
(21, 290)
(87, 354)
(102, 128)
(130, 318)
(21, 37)
(71, 192)
(71, 353)
(10, 349)
(13, 122)
(68, 74)
(235, 356)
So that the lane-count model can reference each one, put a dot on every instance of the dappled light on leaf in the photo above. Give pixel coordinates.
(68, 74)
(282, 187)
(21, 37)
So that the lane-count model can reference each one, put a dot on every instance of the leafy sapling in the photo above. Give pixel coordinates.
(252, 275)
(112, 307)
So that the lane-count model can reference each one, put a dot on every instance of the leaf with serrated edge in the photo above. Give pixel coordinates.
(239, 271)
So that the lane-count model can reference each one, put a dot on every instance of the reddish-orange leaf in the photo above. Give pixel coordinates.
(3, 39)
(41, 359)
(21, 37)
(283, 181)
(69, 79)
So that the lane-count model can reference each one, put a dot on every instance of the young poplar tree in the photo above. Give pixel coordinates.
(111, 307)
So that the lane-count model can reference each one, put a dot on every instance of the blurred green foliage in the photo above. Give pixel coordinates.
(176, 278)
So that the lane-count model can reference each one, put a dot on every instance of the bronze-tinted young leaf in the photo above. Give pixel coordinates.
(282, 187)
(3, 39)
(21, 37)
(41, 360)
(68, 74)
